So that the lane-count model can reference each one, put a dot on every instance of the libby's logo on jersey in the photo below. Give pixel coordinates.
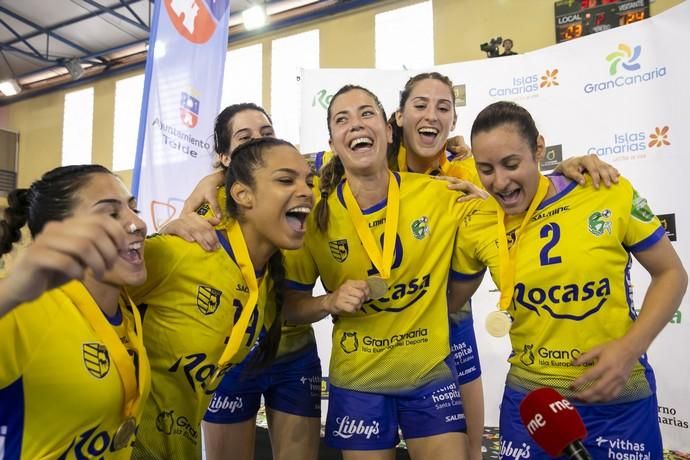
(552, 299)
(208, 299)
(339, 250)
(599, 222)
(96, 359)
(348, 427)
(420, 227)
(349, 342)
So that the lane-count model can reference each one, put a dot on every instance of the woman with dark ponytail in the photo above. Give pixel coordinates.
(206, 311)
(73, 370)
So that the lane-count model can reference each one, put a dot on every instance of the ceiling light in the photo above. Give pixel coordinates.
(254, 17)
(74, 68)
(10, 87)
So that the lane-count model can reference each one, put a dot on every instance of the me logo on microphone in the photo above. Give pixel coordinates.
(538, 420)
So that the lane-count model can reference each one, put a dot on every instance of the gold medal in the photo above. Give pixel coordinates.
(377, 287)
(498, 323)
(124, 433)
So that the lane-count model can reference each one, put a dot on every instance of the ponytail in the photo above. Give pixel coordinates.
(394, 147)
(16, 216)
(330, 176)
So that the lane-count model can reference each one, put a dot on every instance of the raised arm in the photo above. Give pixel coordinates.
(63, 251)
(205, 192)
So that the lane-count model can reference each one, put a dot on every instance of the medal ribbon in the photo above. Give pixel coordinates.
(508, 257)
(443, 163)
(80, 296)
(239, 248)
(382, 261)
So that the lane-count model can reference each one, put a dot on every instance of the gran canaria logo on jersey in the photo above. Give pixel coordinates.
(527, 355)
(349, 342)
(96, 359)
(339, 250)
(165, 422)
(208, 299)
(562, 301)
(599, 222)
(420, 227)
(640, 208)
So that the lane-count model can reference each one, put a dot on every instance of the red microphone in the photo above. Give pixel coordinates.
(554, 424)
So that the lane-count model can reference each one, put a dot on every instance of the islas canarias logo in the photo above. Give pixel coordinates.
(196, 20)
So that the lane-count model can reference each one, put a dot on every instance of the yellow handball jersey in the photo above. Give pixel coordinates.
(60, 392)
(463, 168)
(192, 299)
(397, 343)
(293, 338)
(572, 284)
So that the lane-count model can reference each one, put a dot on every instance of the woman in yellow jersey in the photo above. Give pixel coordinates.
(389, 366)
(291, 386)
(73, 370)
(421, 125)
(204, 312)
(561, 256)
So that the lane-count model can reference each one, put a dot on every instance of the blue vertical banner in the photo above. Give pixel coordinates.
(182, 91)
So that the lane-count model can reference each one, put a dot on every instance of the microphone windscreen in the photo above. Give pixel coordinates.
(551, 420)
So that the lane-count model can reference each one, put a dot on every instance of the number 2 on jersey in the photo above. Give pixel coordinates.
(552, 231)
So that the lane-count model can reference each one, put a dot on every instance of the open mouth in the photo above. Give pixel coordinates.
(509, 197)
(133, 254)
(296, 218)
(428, 135)
(361, 143)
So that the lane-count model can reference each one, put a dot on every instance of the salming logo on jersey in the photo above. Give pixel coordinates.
(96, 359)
(556, 300)
(339, 250)
(172, 425)
(208, 299)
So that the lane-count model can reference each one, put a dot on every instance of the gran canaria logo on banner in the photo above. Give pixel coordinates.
(625, 69)
(96, 359)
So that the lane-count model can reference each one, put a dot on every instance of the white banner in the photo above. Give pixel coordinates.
(621, 94)
(182, 88)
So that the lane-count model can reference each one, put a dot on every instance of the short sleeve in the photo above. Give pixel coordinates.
(644, 229)
(301, 271)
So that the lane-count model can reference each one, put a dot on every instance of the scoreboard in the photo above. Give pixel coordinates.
(575, 18)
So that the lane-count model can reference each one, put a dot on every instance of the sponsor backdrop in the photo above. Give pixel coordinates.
(182, 88)
(620, 94)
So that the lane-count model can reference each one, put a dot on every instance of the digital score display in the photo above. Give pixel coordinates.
(576, 18)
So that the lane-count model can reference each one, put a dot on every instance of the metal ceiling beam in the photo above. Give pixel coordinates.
(69, 22)
(49, 32)
(16, 34)
(39, 57)
(133, 13)
(112, 12)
